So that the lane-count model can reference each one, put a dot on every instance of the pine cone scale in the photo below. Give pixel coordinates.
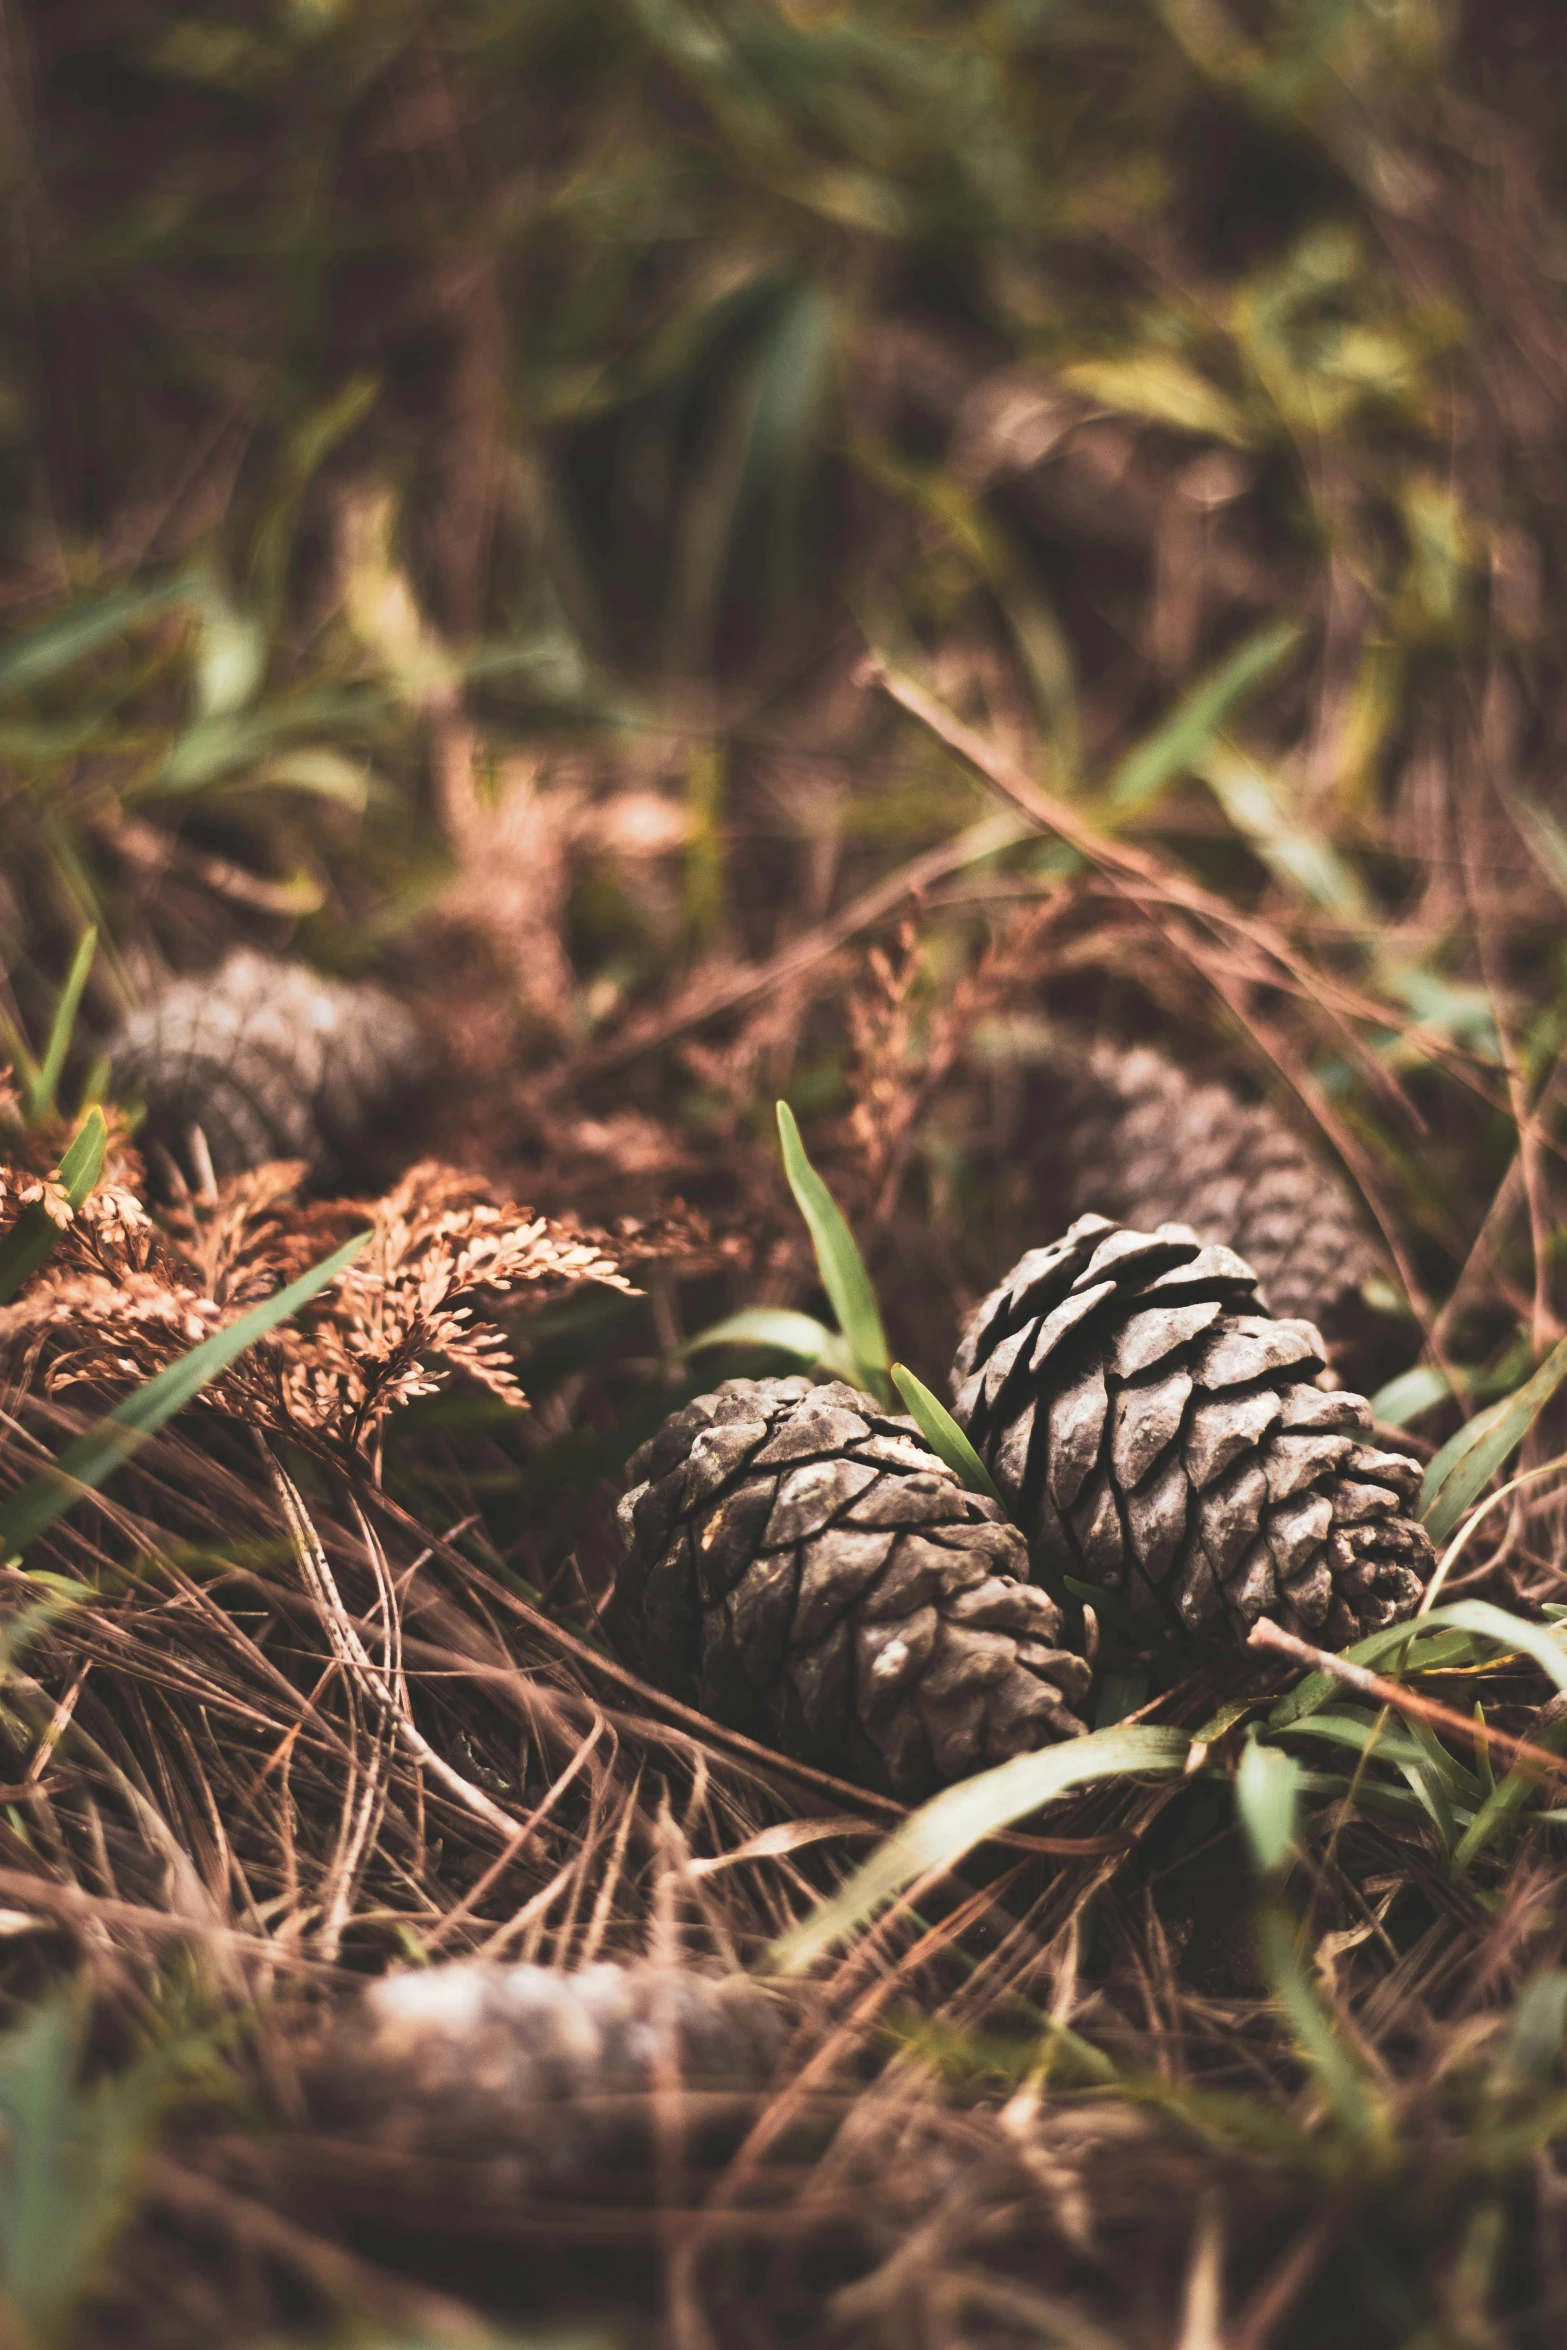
(1153, 1428)
(840, 1593)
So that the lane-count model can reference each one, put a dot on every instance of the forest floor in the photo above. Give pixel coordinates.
(725, 554)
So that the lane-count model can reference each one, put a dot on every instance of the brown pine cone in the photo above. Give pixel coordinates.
(551, 2073)
(1130, 1136)
(1158, 1434)
(802, 1566)
(269, 1060)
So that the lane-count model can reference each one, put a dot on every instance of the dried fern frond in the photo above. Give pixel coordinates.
(123, 1294)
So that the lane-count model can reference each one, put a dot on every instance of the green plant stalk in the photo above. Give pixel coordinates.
(838, 1259)
(942, 1433)
(44, 1085)
(1465, 1466)
(941, 1832)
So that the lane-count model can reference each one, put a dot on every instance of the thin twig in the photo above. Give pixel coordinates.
(727, 991)
(1157, 890)
(1376, 1686)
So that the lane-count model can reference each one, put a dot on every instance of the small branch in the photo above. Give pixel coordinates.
(1392, 1693)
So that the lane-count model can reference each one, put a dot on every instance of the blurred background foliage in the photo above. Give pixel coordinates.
(456, 454)
(617, 368)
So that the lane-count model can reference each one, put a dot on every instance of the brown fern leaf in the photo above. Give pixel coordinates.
(123, 1295)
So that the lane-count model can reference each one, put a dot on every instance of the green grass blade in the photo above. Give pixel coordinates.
(1511, 1792)
(1534, 2044)
(939, 1834)
(1465, 1466)
(31, 1238)
(97, 1454)
(1508, 1631)
(1426, 1654)
(1337, 2074)
(1186, 734)
(842, 1268)
(1403, 1399)
(47, 652)
(45, 1084)
(800, 1336)
(942, 1433)
(1267, 1797)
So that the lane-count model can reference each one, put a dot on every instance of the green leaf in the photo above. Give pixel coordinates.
(942, 1433)
(1263, 808)
(1544, 835)
(71, 2156)
(1539, 1641)
(798, 1335)
(1186, 733)
(44, 653)
(97, 1454)
(1534, 2044)
(1267, 1795)
(1319, 1689)
(1373, 1740)
(33, 1236)
(1511, 1792)
(939, 1834)
(231, 657)
(1160, 384)
(1465, 1466)
(44, 1084)
(1443, 1641)
(1122, 1690)
(1337, 2074)
(1404, 1399)
(842, 1268)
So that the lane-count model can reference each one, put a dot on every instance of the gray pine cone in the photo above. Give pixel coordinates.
(269, 1060)
(550, 2073)
(1158, 1434)
(1127, 1134)
(802, 1566)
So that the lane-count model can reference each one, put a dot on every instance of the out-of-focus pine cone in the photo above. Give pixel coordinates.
(1127, 1134)
(270, 1060)
(802, 1566)
(552, 2074)
(1158, 1434)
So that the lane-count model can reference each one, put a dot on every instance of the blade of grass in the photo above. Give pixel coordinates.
(942, 1433)
(43, 653)
(1508, 1796)
(97, 1454)
(1445, 1653)
(799, 1335)
(838, 1259)
(1267, 1797)
(1533, 1638)
(1184, 736)
(28, 1243)
(44, 1085)
(939, 1834)
(1465, 1466)
(1337, 2075)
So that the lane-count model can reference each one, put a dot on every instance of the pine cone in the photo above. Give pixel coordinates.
(1159, 1435)
(1130, 1136)
(802, 1566)
(551, 2072)
(269, 1060)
